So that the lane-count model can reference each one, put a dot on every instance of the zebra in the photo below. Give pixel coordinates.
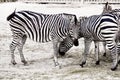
(64, 47)
(101, 28)
(40, 28)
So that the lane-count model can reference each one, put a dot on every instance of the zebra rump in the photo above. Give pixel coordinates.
(41, 28)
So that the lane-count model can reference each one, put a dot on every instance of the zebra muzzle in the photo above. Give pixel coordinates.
(62, 53)
(75, 42)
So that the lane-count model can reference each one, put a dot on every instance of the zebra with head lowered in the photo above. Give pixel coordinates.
(40, 28)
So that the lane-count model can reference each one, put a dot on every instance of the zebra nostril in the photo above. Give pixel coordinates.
(75, 42)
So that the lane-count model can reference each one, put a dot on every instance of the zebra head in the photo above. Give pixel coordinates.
(107, 8)
(65, 45)
(75, 30)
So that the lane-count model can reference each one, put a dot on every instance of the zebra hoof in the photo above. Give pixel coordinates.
(104, 54)
(24, 62)
(82, 64)
(113, 69)
(14, 63)
(97, 63)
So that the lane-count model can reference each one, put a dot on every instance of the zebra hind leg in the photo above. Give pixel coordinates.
(118, 50)
(13, 46)
(113, 49)
(12, 49)
(20, 49)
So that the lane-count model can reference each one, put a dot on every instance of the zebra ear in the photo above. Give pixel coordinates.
(107, 8)
(106, 4)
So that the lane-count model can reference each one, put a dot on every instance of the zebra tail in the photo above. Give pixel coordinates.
(11, 15)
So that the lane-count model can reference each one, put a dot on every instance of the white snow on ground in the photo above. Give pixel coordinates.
(40, 55)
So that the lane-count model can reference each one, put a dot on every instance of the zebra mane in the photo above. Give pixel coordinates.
(73, 15)
(82, 18)
(11, 15)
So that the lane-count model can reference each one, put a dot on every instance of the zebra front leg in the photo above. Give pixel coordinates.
(86, 51)
(97, 52)
(55, 48)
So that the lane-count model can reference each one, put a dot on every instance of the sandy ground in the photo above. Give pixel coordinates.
(40, 57)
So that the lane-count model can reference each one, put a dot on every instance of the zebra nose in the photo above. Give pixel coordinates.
(75, 42)
(61, 52)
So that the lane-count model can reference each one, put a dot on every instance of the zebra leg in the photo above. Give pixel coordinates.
(104, 46)
(118, 50)
(86, 51)
(20, 49)
(113, 49)
(12, 49)
(97, 52)
(13, 45)
(55, 47)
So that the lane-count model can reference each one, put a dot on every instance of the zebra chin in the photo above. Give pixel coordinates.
(76, 42)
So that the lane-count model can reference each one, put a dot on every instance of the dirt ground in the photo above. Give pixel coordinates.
(41, 67)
